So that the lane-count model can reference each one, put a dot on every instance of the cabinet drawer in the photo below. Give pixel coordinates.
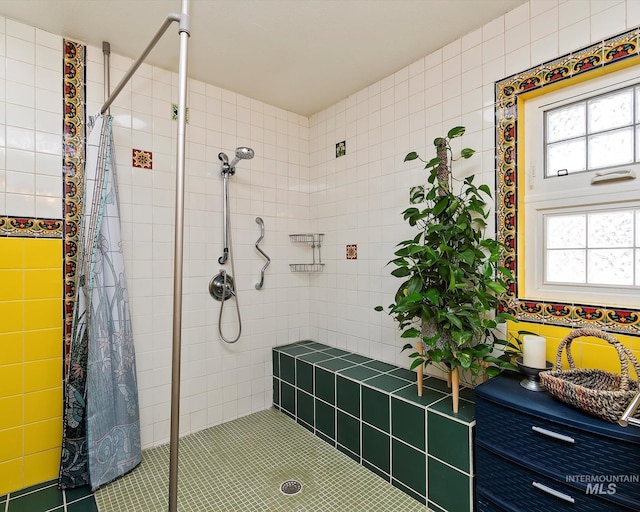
(564, 453)
(484, 504)
(519, 489)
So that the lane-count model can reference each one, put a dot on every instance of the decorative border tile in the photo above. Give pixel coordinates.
(31, 227)
(587, 59)
(142, 159)
(174, 112)
(73, 160)
(341, 148)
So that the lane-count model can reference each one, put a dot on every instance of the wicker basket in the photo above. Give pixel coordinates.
(597, 392)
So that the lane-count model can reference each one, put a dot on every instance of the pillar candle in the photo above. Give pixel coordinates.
(534, 351)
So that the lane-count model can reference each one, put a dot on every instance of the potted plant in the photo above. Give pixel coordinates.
(448, 299)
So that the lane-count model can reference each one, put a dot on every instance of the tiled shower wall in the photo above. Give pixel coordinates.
(219, 381)
(358, 198)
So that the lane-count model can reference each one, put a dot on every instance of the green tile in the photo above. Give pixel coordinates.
(37, 501)
(315, 357)
(379, 365)
(335, 364)
(84, 505)
(428, 397)
(305, 407)
(448, 488)
(275, 363)
(31, 488)
(438, 384)
(3, 498)
(405, 374)
(375, 408)
(304, 376)
(359, 373)
(375, 447)
(435, 508)
(296, 350)
(308, 427)
(356, 358)
(325, 419)
(466, 410)
(348, 393)
(288, 397)
(325, 385)
(407, 423)
(409, 467)
(468, 394)
(326, 439)
(408, 491)
(375, 470)
(288, 368)
(349, 432)
(387, 383)
(77, 493)
(455, 450)
(276, 391)
(336, 352)
(348, 453)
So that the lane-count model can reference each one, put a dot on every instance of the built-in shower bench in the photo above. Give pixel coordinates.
(370, 410)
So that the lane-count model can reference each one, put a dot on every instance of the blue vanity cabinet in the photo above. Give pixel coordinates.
(534, 453)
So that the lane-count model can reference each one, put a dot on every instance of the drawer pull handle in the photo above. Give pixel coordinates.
(555, 435)
(553, 492)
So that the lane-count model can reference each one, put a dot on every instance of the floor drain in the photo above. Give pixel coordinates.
(291, 487)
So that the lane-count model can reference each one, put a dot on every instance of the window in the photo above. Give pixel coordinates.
(582, 197)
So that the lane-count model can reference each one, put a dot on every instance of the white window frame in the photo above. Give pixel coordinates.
(569, 194)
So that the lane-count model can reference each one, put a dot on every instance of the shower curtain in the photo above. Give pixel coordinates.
(101, 425)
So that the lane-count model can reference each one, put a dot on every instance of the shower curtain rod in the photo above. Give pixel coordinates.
(184, 33)
(182, 19)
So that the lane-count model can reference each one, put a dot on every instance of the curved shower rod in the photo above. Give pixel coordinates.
(260, 222)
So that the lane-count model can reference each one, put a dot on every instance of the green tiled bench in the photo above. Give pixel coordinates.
(370, 410)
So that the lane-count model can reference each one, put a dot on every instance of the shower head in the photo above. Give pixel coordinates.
(242, 153)
(223, 158)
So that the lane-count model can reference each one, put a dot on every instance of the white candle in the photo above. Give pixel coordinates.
(534, 351)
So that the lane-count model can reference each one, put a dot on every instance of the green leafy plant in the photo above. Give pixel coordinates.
(450, 271)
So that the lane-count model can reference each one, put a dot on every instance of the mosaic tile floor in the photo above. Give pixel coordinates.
(240, 465)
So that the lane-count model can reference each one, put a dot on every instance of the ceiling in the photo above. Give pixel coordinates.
(300, 55)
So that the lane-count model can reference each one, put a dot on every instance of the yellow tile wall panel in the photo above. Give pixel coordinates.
(11, 345)
(43, 283)
(41, 466)
(42, 436)
(11, 249)
(41, 375)
(11, 316)
(42, 344)
(42, 253)
(43, 405)
(11, 475)
(11, 284)
(42, 314)
(12, 411)
(10, 444)
(11, 380)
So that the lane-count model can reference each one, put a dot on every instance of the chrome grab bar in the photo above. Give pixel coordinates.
(630, 411)
(260, 222)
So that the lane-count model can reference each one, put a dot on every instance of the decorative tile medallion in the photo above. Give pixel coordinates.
(73, 168)
(174, 112)
(341, 148)
(142, 159)
(352, 252)
(507, 91)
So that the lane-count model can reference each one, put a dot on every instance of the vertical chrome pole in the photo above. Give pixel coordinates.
(106, 53)
(177, 259)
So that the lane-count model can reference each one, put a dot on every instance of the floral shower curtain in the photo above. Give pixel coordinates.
(101, 425)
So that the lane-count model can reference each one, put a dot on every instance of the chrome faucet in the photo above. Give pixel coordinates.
(629, 412)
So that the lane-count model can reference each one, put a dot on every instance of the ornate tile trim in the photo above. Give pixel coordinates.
(142, 159)
(30, 227)
(73, 160)
(585, 60)
(352, 251)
